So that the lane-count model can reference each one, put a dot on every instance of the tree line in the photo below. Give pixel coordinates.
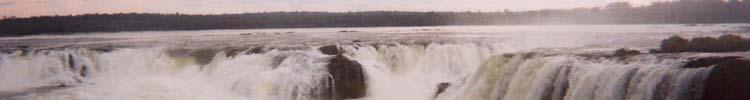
(673, 12)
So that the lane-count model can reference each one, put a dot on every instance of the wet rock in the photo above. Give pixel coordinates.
(728, 81)
(277, 60)
(508, 55)
(441, 88)
(71, 62)
(348, 78)
(204, 56)
(84, 71)
(26, 50)
(529, 55)
(201, 56)
(708, 61)
(654, 51)
(73, 66)
(625, 52)
(289, 48)
(330, 50)
(257, 50)
(103, 49)
(233, 51)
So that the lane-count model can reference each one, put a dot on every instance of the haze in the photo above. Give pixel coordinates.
(25, 8)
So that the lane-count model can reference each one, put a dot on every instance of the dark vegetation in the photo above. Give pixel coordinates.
(724, 43)
(677, 12)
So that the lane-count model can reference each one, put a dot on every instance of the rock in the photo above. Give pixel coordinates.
(674, 44)
(357, 41)
(347, 31)
(277, 60)
(233, 51)
(625, 52)
(103, 49)
(654, 51)
(257, 50)
(62, 85)
(728, 81)
(441, 88)
(202, 56)
(708, 61)
(25, 50)
(330, 50)
(348, 78)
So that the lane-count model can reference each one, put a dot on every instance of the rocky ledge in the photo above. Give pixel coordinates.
(349, 80)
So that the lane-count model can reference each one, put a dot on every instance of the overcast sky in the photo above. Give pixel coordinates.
(25, 8)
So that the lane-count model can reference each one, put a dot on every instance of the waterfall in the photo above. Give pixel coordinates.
(393, 71)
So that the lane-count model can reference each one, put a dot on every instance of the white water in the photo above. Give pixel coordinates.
(127, 74)
(395, 69)
(397, 72)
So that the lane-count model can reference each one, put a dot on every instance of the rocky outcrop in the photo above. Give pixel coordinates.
(202, 56)
(233, 51)
(349, 80)
(625, 52)
(330, 50)
(708, 61)
(441, 88)
(729, 80)
(724, 43)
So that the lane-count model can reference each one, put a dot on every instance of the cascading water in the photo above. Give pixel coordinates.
(396, 71)
(154, 74)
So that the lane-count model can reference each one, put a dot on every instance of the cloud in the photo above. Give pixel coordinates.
(6, 3)
(65, 7)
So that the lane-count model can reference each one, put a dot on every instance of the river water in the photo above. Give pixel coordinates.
(399, 63)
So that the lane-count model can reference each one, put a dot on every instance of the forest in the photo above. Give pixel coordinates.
(671, 12)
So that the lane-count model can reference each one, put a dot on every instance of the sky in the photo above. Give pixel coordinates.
(26, 8)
